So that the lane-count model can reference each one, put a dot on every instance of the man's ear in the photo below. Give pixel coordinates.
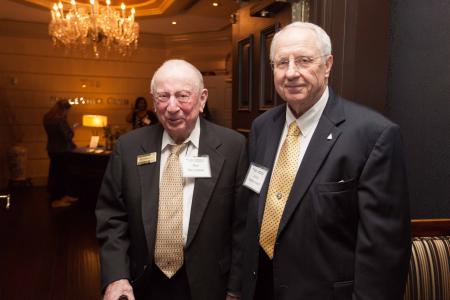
(328, 65)
(203, 98)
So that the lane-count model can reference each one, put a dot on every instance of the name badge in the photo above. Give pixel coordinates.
(196, 167)
(255, 177)
(146, 158)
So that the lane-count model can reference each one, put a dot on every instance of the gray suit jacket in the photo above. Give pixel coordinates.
(344, 233)
(127, 211)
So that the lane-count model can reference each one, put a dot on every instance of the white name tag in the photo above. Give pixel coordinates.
(146, 158)
(255, 177)
(196, 167)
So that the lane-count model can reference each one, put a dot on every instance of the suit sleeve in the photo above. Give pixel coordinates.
(112, 225)
(239, 219)
(383, 238)
(252, 143)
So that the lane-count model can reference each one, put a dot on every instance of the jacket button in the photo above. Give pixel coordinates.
(254, 274)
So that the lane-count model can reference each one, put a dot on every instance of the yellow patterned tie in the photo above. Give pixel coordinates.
(279, 188)
(169, 232)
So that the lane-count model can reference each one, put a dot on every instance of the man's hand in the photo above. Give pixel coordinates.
(118, 288)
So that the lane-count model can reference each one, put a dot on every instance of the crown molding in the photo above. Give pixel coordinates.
(23, 29)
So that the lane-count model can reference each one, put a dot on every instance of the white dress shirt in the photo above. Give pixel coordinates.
(307, 123)
(188, 187)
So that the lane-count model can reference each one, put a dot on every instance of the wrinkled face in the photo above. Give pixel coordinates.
(300, 71)
(178, 102)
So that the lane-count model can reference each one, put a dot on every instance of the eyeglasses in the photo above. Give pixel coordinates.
(301, 62)
(181, 97)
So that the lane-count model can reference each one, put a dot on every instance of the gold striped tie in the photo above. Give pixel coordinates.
(169, 232)
(279, 188)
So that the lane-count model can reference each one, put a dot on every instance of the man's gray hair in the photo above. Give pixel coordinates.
(173, 64)
(323, 40)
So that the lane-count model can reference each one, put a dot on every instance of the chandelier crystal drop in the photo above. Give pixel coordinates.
(100, 28)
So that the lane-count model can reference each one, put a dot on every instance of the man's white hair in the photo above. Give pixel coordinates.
(323, 40)
(173, 64)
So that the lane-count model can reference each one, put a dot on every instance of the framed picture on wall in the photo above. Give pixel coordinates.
(267, 92)
(245, 73)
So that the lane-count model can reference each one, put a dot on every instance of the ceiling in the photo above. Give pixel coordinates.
(154, 16)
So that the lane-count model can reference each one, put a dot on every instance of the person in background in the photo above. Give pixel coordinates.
(141, 116)
(59, 144)
(330, 219)
(164, 233)
(206, 114)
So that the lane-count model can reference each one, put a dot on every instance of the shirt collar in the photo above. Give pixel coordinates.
(194, 137)
(308, 121)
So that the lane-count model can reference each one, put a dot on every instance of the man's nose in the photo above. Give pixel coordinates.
(172, 105)
(292, 70)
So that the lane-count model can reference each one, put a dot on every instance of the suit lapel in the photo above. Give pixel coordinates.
(149, 180)
(318, 149)
(273, 139)
(204, 186)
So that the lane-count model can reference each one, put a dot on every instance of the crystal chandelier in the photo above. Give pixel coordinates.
(100, 28)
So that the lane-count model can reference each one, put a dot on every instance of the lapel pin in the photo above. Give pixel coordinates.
(146, 158)
(329, 137)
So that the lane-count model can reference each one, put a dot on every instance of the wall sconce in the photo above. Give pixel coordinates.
(95, 121)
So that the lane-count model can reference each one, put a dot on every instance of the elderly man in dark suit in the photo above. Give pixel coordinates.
(329, 218)
(170, 213)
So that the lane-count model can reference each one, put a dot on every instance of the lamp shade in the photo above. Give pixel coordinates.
(95, 120)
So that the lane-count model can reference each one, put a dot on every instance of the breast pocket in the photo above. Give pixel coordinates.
(334, 202)
(343, 290)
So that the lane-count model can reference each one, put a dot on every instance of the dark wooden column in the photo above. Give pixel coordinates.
(359, 32)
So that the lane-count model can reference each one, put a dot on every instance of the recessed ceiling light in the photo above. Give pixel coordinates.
(174, 23)
(215, 4)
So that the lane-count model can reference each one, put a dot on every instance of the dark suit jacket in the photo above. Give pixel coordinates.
(344, 233)
(127, 211)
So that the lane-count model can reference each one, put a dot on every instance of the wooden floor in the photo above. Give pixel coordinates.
(47, 253)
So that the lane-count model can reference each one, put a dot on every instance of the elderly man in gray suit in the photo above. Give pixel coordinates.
(170, 212)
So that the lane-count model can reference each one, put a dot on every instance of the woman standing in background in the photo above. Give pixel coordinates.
(141, 116)
(59, 144)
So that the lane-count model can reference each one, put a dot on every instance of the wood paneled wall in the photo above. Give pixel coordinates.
(33, 74)
(248, 63)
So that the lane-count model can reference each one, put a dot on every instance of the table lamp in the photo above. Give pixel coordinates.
(94, 121)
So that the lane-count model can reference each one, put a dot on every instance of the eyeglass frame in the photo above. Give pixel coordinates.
(310, 62)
